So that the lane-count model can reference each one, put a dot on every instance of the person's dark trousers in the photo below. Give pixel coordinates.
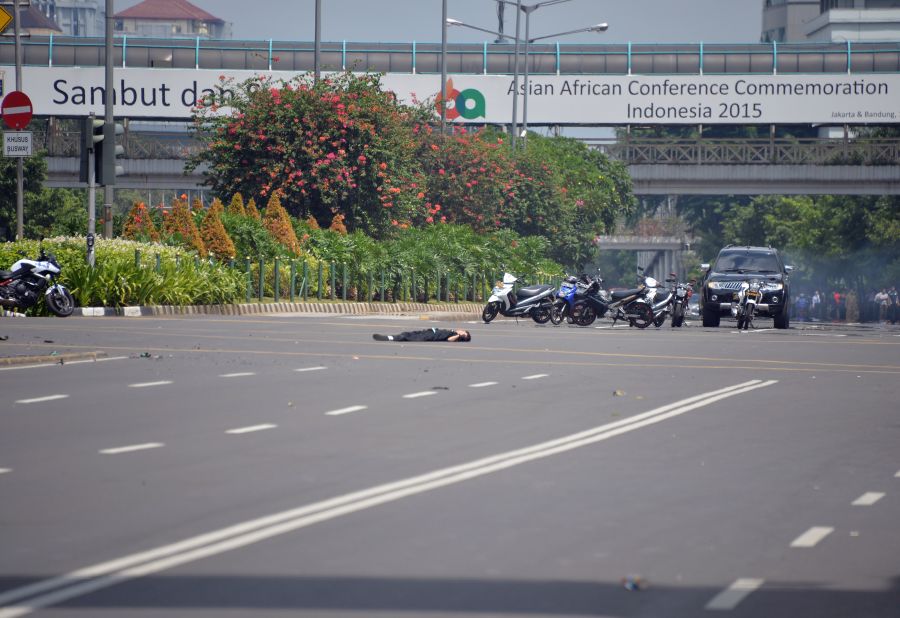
(416, 335)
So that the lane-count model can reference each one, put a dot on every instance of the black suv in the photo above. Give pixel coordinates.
(733, 266)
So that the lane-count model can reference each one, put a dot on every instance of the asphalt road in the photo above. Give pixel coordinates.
(290, 465)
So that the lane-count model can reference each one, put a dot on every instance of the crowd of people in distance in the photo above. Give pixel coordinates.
(882, 306)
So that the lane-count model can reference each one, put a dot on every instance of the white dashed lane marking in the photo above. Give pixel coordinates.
(146, 384)
(5, 470)
(41, 399)
(131, 448)
(868, 499)
(735, 593)
(237, 375)
(251, 429)
(303, 369)
(346, 410)
(812, 536)
(897, 475)
(419, 394)
(536, 376)
(481, 384)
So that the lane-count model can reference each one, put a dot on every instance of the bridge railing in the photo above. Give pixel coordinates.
(60, 142)
(663, 151)
(490, 58)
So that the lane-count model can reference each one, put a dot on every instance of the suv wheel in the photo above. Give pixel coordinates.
(782, 320)
(711, 320)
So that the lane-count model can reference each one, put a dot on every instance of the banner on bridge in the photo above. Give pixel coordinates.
(869, 98)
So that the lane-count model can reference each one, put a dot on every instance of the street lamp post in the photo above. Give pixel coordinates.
(317, 45)
(527, 10)
(595, 28)
(444, 68)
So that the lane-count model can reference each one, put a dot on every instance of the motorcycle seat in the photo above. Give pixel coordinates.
(5, 274)
(532, 290)
(620, 294)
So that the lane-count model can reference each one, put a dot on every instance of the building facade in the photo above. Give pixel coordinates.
(170, 19)
(797, 21)
(74, 17)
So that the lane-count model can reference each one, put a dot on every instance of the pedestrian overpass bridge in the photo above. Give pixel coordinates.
(155, 159)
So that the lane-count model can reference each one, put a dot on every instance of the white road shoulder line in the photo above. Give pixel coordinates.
(868, 499)
(130, 449)
(237, 375)
(146, 384)
(481, 384)
(735, 593)
(346, 410)
(304, 369)
(40, 399)
(252, 428)
(536, 376)
(45, 593)
(419, 394)
(812, 536)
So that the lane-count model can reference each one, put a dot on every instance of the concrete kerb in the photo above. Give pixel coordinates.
(466, 309)
(42, 359)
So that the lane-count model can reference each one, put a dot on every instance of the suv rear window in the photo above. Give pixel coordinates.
(743, 260)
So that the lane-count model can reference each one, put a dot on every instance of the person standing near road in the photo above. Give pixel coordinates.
(882, 302)
(815, 305)
(894, 307)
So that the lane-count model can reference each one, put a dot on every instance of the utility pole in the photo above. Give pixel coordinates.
(20, 169)
(109, 135)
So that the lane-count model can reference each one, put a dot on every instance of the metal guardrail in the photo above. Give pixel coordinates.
(489, 58)
(643, 151)
(753, 152)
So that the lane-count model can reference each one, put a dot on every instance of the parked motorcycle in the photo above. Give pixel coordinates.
(629, 305)
(27, 281)
(660, 300)
(683, 293)
(534, 301)
(566, 305)
(747, 298)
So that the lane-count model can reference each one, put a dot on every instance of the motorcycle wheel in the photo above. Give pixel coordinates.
(556, 314)
(541, 314)
(587, 317)
(490, 312)
(677, 315)
(60, 302)
(645, 315)
(659, 320)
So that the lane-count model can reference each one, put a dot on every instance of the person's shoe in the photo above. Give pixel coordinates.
(377, 337)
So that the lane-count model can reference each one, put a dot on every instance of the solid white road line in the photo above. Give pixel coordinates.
(346, 410)
(96, 577)
(868, 499)
(302, 369)
(146, 384)
(482, 384)
(734, 594)
(131, 448)
(252, 428)
(812, 536)
(95, 360)
(237, 375)
(419, 394)
(40, 399)
(536, 376)
(5, 470)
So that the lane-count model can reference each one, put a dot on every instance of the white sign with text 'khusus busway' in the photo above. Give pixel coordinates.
(760, 99)
(17, 143)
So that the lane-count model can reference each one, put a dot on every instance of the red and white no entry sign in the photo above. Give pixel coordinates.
(16, 109)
